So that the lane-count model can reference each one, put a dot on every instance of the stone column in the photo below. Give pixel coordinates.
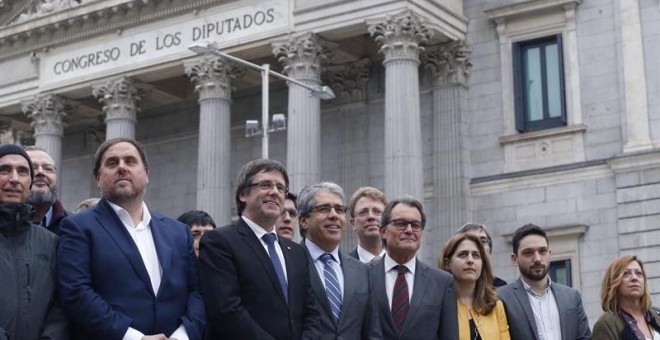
(46, 113)
(212, 78)
(451, 67)
(302, 58)
(634, 78)
(119, 98)
(400, 38)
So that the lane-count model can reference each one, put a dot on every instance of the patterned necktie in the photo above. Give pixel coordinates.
(277, 265)
(331, 285)
(400, 303)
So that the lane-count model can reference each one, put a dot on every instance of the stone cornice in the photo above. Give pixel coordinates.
(502, 13)
(89, 20)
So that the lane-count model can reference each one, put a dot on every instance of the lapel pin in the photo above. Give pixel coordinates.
(287, 247)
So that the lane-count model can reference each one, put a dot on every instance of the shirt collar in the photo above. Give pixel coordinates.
(529, 289)
(257, 230)
(366, 255)
(390, 264)
(125, 217)
(49, 216)
(315, 251)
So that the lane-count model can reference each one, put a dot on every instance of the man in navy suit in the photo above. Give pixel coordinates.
(127, 272)
(256, 284)
(340, 282)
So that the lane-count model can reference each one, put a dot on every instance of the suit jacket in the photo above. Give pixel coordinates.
(243, 297)
(522, 326)
(105, 287)
(432, 313)
(354, 254)
(358, 318)
(58, 215)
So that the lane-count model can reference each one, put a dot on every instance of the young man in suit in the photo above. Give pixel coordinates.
(126, 271)
(287, 223)
(366, 208)
(340, 282)
(536, 307)
(256, 284)
(414, 301)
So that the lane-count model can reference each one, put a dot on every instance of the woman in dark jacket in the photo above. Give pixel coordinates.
(625, 298)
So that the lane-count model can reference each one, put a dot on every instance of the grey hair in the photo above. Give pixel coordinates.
(405, 200)
(305, 202)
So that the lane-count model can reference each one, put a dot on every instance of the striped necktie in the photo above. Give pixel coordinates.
(400, 303)
(331, 286)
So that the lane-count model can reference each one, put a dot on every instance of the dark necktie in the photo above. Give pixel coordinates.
(331, 285)
(277, 265)
(400, 303)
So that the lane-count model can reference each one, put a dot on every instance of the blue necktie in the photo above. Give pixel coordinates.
(331, 285)
(277, 265)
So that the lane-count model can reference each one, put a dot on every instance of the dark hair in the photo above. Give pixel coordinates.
(292, 197)
(407, 200)
(470, 226)
(197, 217)
(485, 297)
(107, 144)
(249, 170)
(526, 230)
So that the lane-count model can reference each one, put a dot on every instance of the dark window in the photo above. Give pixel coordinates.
(560, 272)
(538, 73)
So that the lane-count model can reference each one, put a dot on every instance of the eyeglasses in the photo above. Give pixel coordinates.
(402, 225)
(268, 185)
(292, 212)
(326, 208)
(484, 240)
(47, 168)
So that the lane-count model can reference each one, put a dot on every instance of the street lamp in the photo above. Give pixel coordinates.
(321, 92)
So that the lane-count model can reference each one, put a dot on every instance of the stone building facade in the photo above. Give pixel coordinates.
(500, 112)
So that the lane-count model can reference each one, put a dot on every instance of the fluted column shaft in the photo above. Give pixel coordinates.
(212, 78)
(400, 38)
(119, 98)
(302, 58)
(46, 113)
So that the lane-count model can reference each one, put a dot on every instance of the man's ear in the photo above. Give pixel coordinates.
(302, 221)
(514, 259)
(350, 220)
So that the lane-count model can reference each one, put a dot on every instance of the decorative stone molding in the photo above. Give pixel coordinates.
(401, 35)
(45, 7)
(349, 81)
(450, 63)
(47, 113)
(303, 57)
(212, 76)
(119, 97)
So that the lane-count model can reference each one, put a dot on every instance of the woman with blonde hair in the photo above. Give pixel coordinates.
(625, 298)
(481, 314)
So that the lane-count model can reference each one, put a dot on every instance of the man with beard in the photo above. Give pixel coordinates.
(126, 271)
(536, 307)
(28, 289)
(48, 210)
(366, 208)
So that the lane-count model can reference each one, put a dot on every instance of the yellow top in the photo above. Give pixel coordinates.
(491, 327)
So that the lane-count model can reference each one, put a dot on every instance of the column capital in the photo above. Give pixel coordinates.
(349, 81)
(212, 76)
(303, 57)
(47, 112)
(401, 35)
(450, 63)
(119, 97)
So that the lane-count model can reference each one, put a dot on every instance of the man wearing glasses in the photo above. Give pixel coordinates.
(414, 300)
(479, 230)
(340, 282)
(366, 208)
(287, 223)
(255, 284)
(48, 210)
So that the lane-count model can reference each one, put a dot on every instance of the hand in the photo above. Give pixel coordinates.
(155, 337)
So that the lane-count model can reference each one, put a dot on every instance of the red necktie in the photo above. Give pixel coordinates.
(400, 302)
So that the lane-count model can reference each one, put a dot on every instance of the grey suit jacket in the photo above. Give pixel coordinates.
(432, 313)
(522, 326)
(358, 319)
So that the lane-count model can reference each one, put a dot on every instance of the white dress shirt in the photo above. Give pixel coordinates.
(365, 256)
(546, 313)
(316, 252)
(391, 274)
(141, 235)
(260, 232)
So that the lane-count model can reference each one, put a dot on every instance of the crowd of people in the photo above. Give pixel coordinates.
(116, 269)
